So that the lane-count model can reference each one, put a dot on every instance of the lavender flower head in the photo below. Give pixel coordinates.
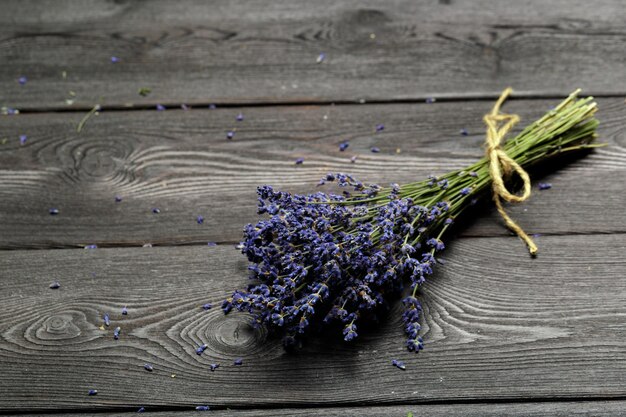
(327, 259)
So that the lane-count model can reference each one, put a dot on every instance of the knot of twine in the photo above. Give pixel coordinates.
(501, 165)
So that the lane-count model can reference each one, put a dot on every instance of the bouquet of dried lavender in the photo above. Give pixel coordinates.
(324, 258)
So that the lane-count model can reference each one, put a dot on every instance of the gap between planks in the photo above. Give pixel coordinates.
(373, 410)
(445, 98)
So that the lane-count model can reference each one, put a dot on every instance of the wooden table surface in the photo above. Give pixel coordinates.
(505, 334)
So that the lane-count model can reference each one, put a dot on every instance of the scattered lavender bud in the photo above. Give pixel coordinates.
(23, 139)
(240, 117)
(431, 100)
(353, 159)
(320, 58)
(375, 149)
(124, 311)
(230, 134)
(380, 127)
(211, 244)
(141, 409)
(53, 211)
(22, 80)
(148, 367)
(473, 174)
(107, 320)
(118, 199)
(55, 285)
(464, 132)
(156, 210)
(207, 306)
(116, 333)
(545, 185)
(202, 408)
(200, 349)
(91, 247)
(537, 235)
(160, 107)
(147, 245)
(93, 392)
(398, 364)
(214, 366)
(200, 219)
(238, 362)
(343, 146)
(212, 106)
(299, 161)
(115, 59)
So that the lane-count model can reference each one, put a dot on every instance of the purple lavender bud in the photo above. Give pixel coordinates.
(230, 134)
(464, 132)
(207, 306)
(124, 311)
(200, 219)
(116, 333)
(115, 59)
(353, 159)
(214, 366)
(200, 349)
(299, 161)
(107, 320)
(398, 364)
(465, 191)
(211, 244)
(202, 408)
(55, 285)
(238, 362)
(473, 174)
(239, 117)
(148, 367)
(343, 146)
(22, 80)
(156, 210)
(23, 139)
(380, 127)
(375, 150)
(91, 246)
(320, 58)
(212, 106)
(160, 107)
(141, 409)
(545, 185)
(93, 392)
(430, 100)
(53, 211)
(118, 199)
(184, 107)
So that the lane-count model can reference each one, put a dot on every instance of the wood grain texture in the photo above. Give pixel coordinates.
(241, 52)
(181, 162)
(531, 409)
(497, 324)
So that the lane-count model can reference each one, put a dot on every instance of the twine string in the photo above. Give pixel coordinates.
(501, 165)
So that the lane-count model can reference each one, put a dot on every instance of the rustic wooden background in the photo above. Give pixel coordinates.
(505, 334)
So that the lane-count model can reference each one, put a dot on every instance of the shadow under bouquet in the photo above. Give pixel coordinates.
(328, 258)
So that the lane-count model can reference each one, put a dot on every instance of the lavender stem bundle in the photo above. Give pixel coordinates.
(325, 258)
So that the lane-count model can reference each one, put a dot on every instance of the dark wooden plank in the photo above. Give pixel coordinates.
(538, 409)
(234, 51)
(497, 324)
(181, 162)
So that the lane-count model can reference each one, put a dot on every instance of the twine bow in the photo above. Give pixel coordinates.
(501, 165)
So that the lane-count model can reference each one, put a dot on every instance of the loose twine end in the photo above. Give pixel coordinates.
(500, 165)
